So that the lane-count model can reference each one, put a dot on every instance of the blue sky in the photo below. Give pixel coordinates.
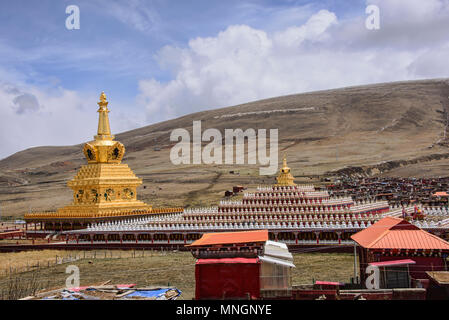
(161, 59)
(115, 47)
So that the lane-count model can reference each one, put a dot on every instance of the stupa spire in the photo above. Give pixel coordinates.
(103, 149)
(104, 129)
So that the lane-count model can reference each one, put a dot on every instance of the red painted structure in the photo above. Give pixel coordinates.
(227, 264)
(395, 239)
(241, 265)
(227, 278)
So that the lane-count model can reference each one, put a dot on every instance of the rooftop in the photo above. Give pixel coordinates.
(395, 233)
(231, 238)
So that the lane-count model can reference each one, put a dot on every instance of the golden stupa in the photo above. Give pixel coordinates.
(284, 177)
(105, 185)
(104, 188)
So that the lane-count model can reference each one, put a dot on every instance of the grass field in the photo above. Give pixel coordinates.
(153, 269)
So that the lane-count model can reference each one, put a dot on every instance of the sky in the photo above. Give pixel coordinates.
(158, 60)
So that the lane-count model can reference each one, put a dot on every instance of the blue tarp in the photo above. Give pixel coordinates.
(158, 293)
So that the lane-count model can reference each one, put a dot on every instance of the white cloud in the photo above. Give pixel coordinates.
(313, 30)
(31, 116)
(242, 64)
(133, 13)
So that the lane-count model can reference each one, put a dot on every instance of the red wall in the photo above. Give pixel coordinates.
(227, 280)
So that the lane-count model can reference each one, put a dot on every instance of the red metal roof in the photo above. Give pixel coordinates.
(231, 238)
(227, 260)
(392, 263)
(396, 233)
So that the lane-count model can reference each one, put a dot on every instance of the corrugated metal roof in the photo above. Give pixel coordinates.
(395, 233)
(231, 238)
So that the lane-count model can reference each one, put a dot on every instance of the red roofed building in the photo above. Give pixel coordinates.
(241, 265)
(393, 239)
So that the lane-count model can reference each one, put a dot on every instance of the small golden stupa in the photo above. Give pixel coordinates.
(284, 177)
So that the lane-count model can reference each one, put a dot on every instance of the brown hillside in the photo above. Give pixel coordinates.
(389, 129)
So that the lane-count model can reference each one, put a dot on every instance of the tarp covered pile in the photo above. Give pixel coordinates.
(109, 292)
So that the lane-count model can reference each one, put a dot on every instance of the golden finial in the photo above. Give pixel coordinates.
(104, 131)
(284, 160)
(103, 100)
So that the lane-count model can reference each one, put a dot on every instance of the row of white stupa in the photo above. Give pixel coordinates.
(302, 187)
(439, 211)
(179, 221)
(277, 209)
(226, 226)
(251, 198)
(174, 223)
(291, 195)
(280, 202)
(326, 210)
(298, 217)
